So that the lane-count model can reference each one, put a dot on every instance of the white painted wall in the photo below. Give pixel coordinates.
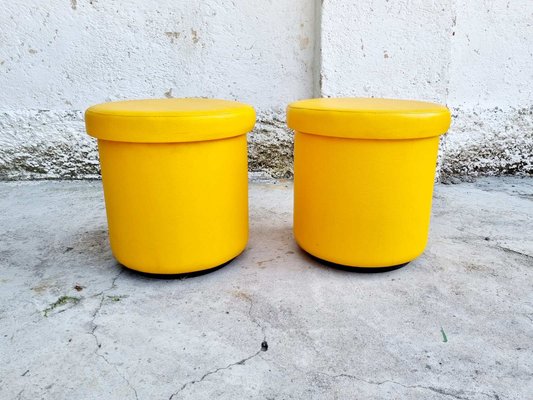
(396, 49)
(57, 57)
(491, 58)
(61, 54)
(491, 88)
(476, 56)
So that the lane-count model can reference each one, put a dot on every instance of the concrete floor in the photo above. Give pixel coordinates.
(455, 323)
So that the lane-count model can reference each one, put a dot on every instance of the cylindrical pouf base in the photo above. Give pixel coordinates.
(176, 208)
(363, 202)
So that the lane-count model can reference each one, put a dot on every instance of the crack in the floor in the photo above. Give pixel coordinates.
(264, 347)
(214, 371)
(254, 319)
(102, 298)
(508, 250)
(97, 310)
(441, 391)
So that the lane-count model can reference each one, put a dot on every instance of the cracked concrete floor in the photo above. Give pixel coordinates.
(455, 323)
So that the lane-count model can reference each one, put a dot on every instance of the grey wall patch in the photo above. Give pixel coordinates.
(489, 142)
(50, 144)
(46, 144)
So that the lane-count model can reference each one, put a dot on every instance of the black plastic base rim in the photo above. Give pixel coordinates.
(185, 275)
(361, 270)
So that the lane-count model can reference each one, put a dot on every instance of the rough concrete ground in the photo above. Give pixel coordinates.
(454, 324)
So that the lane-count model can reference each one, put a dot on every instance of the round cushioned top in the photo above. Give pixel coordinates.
(368, 118)
(169, 120)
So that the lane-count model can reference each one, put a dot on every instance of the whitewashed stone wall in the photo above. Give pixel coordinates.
(60, 56)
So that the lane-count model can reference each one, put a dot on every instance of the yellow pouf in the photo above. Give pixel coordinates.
(363, 177)
(175, 177)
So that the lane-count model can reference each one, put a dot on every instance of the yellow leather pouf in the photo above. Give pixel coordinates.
(175, 181)
(363, 177)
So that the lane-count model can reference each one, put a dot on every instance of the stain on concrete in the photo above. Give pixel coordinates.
(242, 295)
(44, 286)
(117, 298)
(32, 51)
(195, 37)
(74, 4)
(260, 263)
(173, 36)
(304, 42)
